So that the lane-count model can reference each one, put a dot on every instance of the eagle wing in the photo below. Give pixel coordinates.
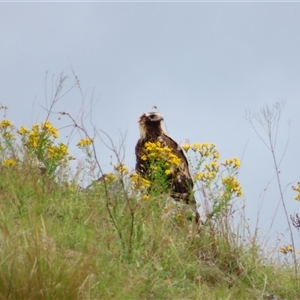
(183, 182)
(139, 152)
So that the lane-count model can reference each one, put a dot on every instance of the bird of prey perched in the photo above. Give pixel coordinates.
(180, 183)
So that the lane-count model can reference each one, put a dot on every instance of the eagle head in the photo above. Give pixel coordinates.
(150, 123)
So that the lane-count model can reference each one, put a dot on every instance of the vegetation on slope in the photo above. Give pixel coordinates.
(124, 237)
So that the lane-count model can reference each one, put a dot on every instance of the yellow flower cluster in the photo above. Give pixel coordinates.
(110, 177)
(85, 142)
(6, 123)
(145, 197)
(233, 162)
(58, 151)
(186, 147)
(23, 130)
(163, 156)
(208, 168)
(6, 128)
(205, 176)
(297, 189)
(47, 126)
(138, 182)
(205, 149)
(210, 172)
(121, 168)
(286, 249)
(40, 141)
(232, 185)
(39, 134)
(9, 162)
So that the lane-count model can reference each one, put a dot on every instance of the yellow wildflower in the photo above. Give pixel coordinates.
(33, 140)
(153, 168)
(297, 197)
(186, 147)
(179, 216)
(35, 128)
(207, 166)
(168, 172)
(236, 162)
(297, 189)
(233, 161)
(63, 149)
(175, 160)
(211, 175)
(9, 162)
(53, 131)
(138, 182)
(58, 152)
(232, 185)
(47, 126)
(134, 176)
(227, 161)
(152, 155)
(6, 123)
(196, 146)
(121, 168)
(23, 130)
(286, 249)
(110, 177)
(145, 197)
(214, 166)
(85, 142)
(199, 176)
(216, 155)
(51, 149)
(145, 182)
(239, 193)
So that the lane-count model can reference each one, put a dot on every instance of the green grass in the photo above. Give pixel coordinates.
(60, 243)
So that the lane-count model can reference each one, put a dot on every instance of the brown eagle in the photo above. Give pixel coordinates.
(181, 183)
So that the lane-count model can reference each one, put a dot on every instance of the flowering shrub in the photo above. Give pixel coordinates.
(140, 184)
(37, 142)
(7, 136)
(218, 183)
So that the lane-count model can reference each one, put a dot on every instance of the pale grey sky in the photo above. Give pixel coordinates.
(201, 64)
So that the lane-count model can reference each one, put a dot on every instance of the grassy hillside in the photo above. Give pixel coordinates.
(61, 243)
(124, 237)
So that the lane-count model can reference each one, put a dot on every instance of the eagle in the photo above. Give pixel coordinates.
(181, 183)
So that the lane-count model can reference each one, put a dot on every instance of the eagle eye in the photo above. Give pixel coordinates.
(152, 116)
